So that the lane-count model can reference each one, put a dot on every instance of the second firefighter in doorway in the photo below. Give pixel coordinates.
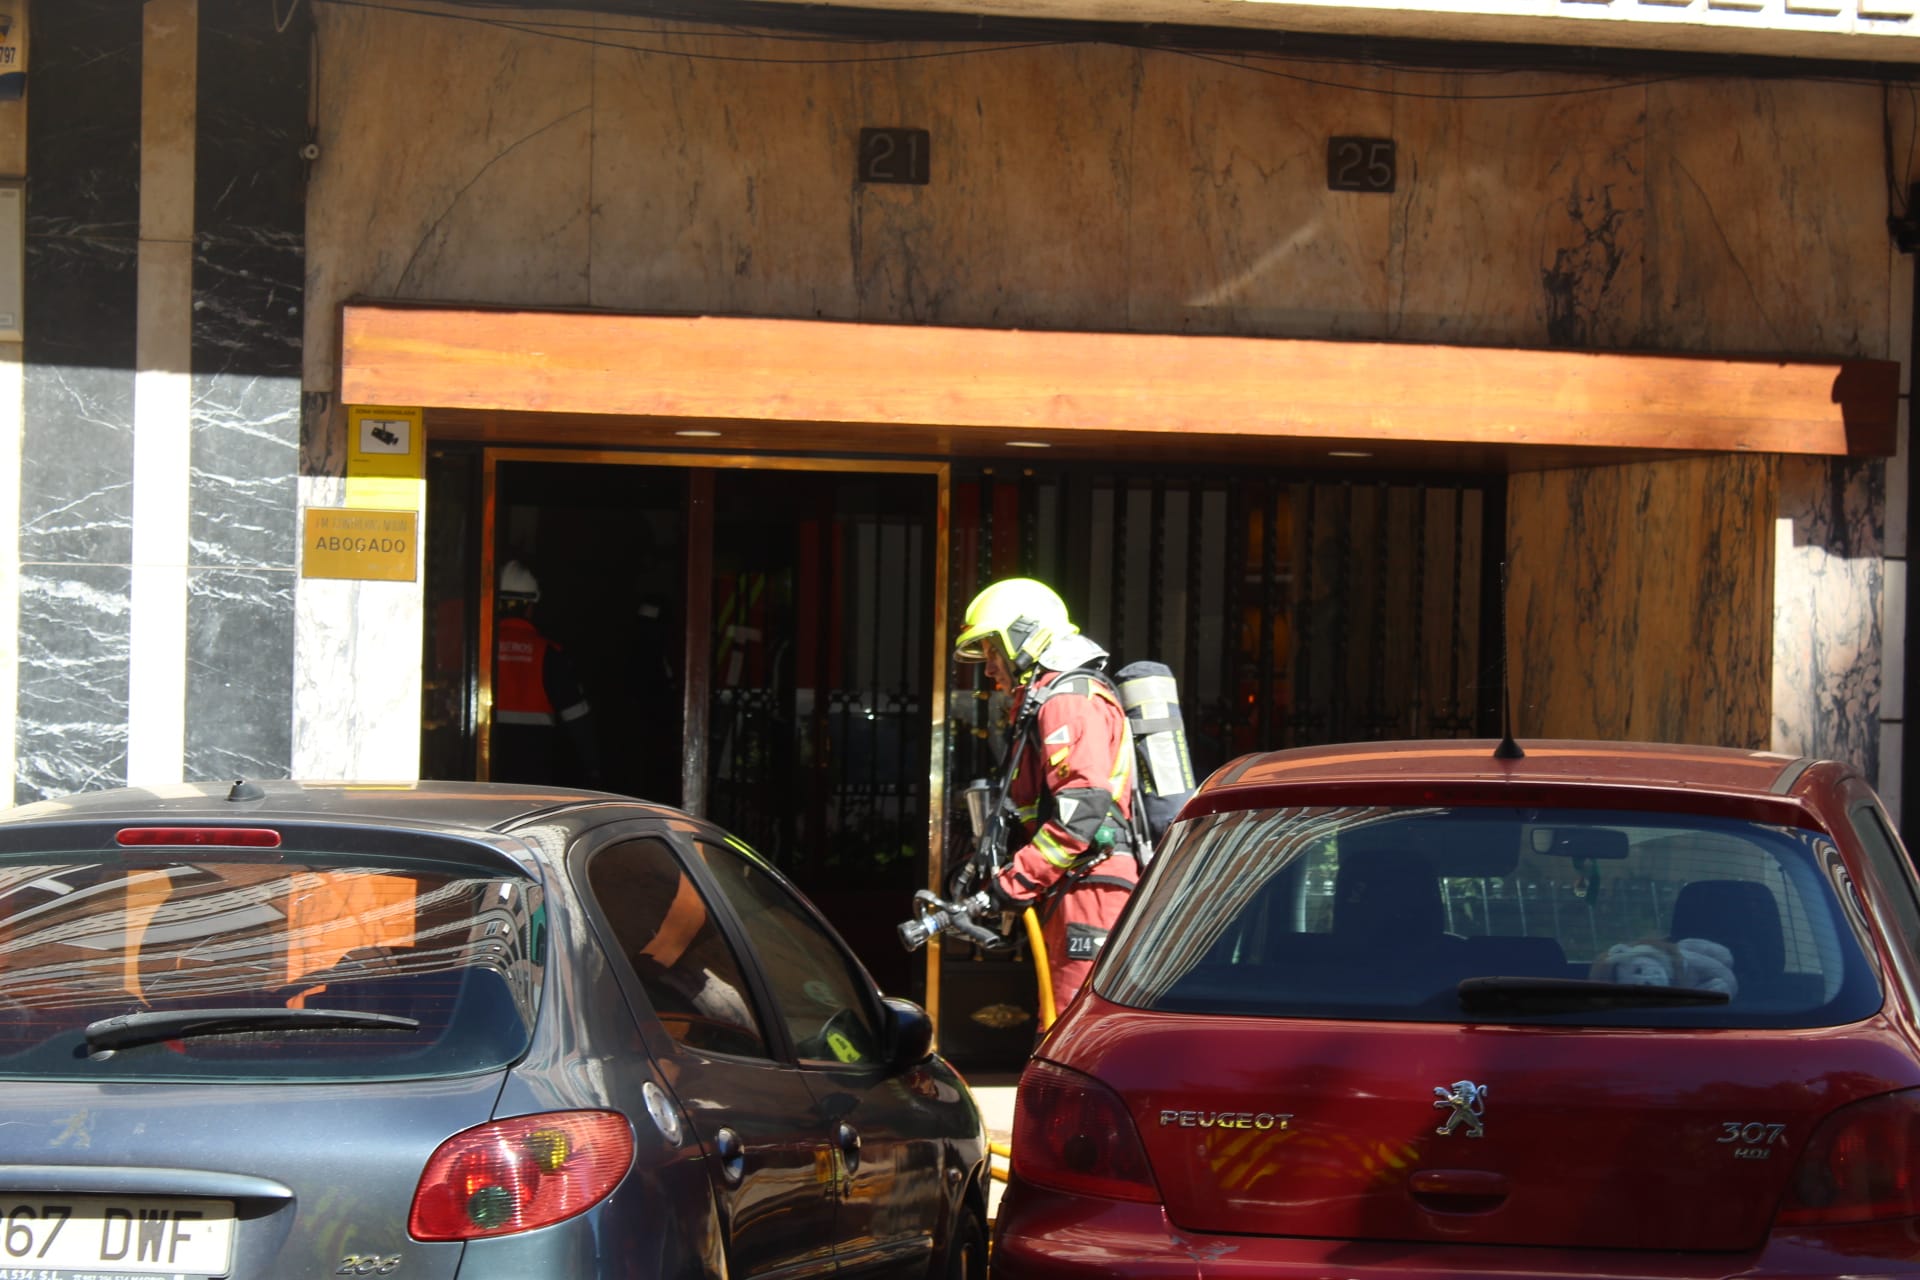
(1070, 784)
(542, 723)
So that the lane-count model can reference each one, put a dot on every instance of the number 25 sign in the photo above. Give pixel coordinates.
(1360, 164)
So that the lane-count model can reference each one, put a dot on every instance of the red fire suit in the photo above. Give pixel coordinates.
(1072, 787)
(536, 693)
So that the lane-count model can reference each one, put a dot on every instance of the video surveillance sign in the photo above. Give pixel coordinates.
(384, 441)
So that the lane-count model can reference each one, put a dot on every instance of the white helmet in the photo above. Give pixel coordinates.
(518, 583)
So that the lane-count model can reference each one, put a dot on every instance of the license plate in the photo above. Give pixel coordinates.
(61, 1236)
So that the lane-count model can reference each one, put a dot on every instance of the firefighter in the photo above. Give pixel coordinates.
(536, 695)
(1072, 773)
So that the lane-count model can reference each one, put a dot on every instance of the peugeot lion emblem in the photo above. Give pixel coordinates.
(1468, 1102)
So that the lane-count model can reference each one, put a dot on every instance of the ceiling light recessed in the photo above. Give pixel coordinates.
(1028, 444)
(696, 433)
(1348, 453)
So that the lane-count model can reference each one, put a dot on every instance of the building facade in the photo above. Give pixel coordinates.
(769, 337)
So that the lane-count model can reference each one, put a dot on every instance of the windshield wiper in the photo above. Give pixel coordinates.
(1568, 995)
(173, 1024)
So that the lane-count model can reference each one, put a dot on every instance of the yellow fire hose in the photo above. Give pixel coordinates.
(1038, 946)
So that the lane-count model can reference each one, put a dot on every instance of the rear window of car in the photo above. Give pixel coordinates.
(175, 964)
(1383, 913)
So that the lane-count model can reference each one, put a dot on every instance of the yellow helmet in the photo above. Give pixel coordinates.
(1025, 616)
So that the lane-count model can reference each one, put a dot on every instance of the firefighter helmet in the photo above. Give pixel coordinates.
(518, 583)
(1024, 616)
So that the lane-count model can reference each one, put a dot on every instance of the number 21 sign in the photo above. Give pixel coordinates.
(894, 155)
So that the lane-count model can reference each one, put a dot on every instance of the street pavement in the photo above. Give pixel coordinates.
(993, 1090)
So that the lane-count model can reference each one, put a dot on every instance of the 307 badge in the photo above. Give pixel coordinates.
(1752, 1139)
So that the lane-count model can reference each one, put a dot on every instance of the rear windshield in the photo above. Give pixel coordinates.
(1381, 913)
(220, 966)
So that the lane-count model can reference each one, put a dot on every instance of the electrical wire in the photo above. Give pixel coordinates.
(979, 34)
(1614, 87)
(536, 30)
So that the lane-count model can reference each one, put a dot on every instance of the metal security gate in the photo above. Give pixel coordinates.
(1295, 610)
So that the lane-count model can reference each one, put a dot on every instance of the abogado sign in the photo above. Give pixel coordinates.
(351, 542)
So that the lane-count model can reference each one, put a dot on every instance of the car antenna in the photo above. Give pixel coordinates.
(245, 790)
(1508, 748)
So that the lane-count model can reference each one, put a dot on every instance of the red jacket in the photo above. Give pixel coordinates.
(1072, 775)
(527, 678)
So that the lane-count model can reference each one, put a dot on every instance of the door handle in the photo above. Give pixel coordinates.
(849, 1139)
(733, 1156)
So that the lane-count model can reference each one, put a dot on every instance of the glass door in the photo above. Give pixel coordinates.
(820, 704)
(752, 639)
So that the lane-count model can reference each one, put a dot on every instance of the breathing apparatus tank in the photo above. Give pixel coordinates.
(1152, 701)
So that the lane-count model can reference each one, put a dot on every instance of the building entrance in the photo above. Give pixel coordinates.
(755, 644)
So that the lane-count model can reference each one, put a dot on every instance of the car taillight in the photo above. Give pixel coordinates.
(1862, 1165)
(224, 837)
(1072, 1133)
(515, 1175)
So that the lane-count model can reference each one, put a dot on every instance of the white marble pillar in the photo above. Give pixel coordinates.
(163, 395)
(357, 667)
(1828, 585)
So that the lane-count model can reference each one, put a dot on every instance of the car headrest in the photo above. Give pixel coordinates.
(1741, 915)
(1387, 894)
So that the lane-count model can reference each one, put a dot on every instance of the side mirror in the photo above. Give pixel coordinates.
(909, 1033)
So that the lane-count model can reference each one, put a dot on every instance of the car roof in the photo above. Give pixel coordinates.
(451, 808)
(1723, 771)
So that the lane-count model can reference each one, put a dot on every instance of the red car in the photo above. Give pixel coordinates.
(1422, 1009)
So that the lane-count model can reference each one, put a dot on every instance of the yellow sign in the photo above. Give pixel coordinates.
(13, 50)
(386, 456)
(349, 542)
(383, 441)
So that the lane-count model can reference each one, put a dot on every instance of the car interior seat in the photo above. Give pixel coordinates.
(1387, 896)
(1744, 917)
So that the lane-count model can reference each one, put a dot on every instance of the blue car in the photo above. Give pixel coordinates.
(452, 1031)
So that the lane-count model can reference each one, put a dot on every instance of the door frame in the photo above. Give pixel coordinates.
(698, 639)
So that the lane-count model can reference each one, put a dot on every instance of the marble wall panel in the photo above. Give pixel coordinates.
(76, 445)
(727, 192)
(249, 275)
(725, 187)
(239, 673)
(454, 165)
(1024, 224)
(1766, 206)
(248, 320)
(76, 464)
(1826, 614)
(1503, 234)
(1231, 228)
(1639, 601)
(252, 105)
(74, 651)
(84, 129)
(1088, 186)
(83, 215)
(246, 446)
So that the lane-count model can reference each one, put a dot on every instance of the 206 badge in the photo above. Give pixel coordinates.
(1468, 1102)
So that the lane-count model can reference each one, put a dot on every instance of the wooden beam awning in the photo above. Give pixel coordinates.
(882, 383)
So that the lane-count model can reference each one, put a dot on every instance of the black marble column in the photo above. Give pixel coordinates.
(76, 515)
(248, 282)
